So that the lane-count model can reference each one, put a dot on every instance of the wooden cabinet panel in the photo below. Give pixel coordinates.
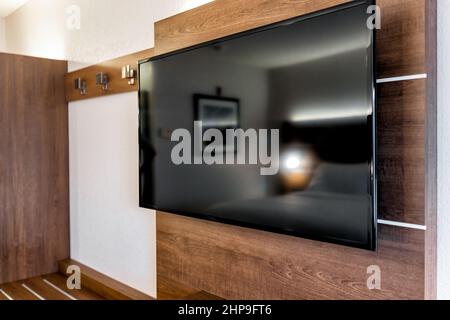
(34, 172)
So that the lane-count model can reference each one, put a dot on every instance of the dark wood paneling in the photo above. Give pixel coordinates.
(239, 263)
(236, 263)
(222, 18)
(401, 152)
(114, 70)
(401, 40)
(34, 173)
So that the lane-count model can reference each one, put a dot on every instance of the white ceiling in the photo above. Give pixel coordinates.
(9, 6)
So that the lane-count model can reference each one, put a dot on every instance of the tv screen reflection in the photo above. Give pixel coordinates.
(272, 130)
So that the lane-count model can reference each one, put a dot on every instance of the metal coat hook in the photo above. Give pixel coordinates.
(81, 85)
(102, 79)
(129, 73)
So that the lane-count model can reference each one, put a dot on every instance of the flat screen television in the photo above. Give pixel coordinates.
(272, 129)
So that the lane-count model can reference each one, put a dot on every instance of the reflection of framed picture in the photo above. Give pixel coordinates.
(217, 113)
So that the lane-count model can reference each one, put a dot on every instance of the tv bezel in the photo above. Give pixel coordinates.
(372, 123)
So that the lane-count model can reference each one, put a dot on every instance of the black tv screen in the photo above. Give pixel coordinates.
(272, 129)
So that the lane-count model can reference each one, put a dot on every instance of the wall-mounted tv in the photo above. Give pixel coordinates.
(272, 129)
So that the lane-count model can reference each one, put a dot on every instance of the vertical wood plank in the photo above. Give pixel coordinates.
(34, 173)
(401, 116)
(401, 40)
(431, 152)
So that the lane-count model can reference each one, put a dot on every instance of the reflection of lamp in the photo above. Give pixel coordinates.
(293, 162)
(297, 167)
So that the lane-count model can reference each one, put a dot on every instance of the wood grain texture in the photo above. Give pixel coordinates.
(171, 290)
(114, 70)
(236, 263)
(44, 290)
(401, 40)
(201, 295)
(401, 151)
(101, 284)
(17, 291)
(431, 173)
(61, 282)
(34, 172)
(239, 263)
(222, 18)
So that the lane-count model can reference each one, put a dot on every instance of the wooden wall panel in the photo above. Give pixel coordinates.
(34, 172)
(431, 149)
(401, 40)
(239, 263)
(233, 262)
(401, 151)
(207, 23)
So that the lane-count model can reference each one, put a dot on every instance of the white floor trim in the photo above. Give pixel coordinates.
(60, 290)
(402, 224)
(37, 295)
(6, 295)
(403, 78)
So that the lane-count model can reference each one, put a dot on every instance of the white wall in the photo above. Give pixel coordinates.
(109, 28)
(108, 230)
(443, 149)
(2, 35)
